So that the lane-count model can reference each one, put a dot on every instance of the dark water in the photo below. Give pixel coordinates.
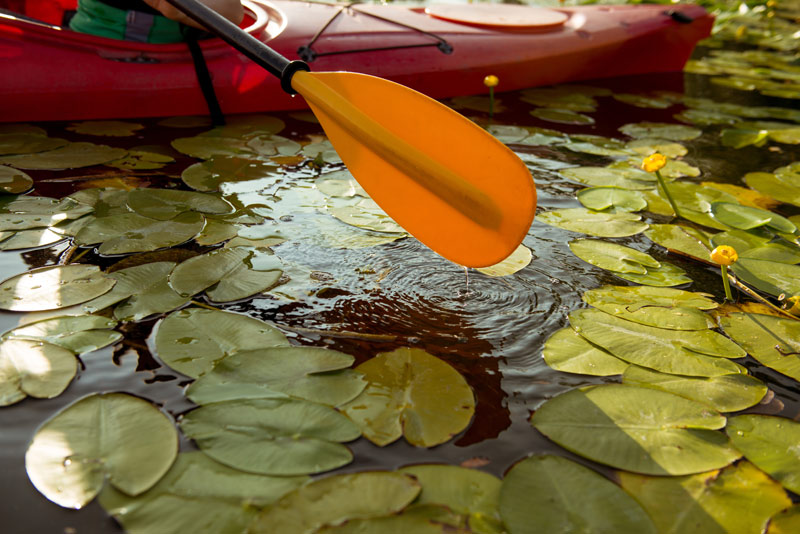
(375, 299)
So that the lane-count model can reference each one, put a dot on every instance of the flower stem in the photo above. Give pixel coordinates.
(671, 200)
(491, 102)
(728, 296)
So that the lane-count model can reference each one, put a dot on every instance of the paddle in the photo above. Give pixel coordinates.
(444, 179)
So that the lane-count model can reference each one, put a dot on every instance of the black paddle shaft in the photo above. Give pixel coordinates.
(242, 41)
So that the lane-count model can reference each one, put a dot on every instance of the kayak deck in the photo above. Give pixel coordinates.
(63, 75)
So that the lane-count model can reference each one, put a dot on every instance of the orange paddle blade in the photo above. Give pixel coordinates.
(443, 178)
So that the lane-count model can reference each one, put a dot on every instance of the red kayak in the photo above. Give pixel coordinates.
(51, 73)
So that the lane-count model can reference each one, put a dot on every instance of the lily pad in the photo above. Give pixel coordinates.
(192, 340)
(627, 178)
(166, 204)
(197, 494)
(366, 214)
(747, 218)
(600, 224)
(134, 445)
(569, 352)
(682, 239)
(50, 288)
(771, 443)
(647, 146)
(642, 101)
(553, 494)
(130, 232)
(411, 393)
(637, 429)
(272, 437)
(25, 212)
(780, 186)
(340, 184)
(562, 116)
(322, 152)
(665, 275)
(610, 197)
(14, 181)
(33, 238)
(736, 500)
(267, 145)
(726, 393)
(70, 156)
(206, 147)
(209, 175)
(28, 143)
(742, 137)
(773, 341)
(786, 522)
(661, 307)
(559, 98)
(77, 333)
(312, 373)
(30, 367)
(681, 352)
(515, 262)
(140, 160)
(663, 130)
(137, 280)
(611, 256)
(105, 128)
(773, 277)
(336, 499)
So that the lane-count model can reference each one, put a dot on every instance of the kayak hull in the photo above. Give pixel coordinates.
(56, 74)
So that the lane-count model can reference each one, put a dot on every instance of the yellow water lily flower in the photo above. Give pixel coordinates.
(654, 162)
(724, 255)
(491, 81)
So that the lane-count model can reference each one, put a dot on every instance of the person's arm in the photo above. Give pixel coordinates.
(230, 9)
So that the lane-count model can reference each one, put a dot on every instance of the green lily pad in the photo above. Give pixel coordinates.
(682, 239)
(628, 178)
(134, 446)
(694, 202)
(662, 130)
(267, 145)
(773, 277)
(515, 262)
(28, 143)
(666, 275)
(77, 333)
(707, 117)
(311, 373)
(600, 224)
(771, 444)
(210, 174)
(233, 272)
(786, 522)
(14, 181)
(773, 341)
(33, 238)
(559, 98)
(740, 137)
(272, 436)
(70, 156)
(336, 499)
(411, 393)
(553, 494)
(789, 136)
(247, 125)
(31, 367)
(783, 187)
(102, 201)
(747, 218)
(610, 197)
(323, 152)
(740, 240)
(130, 232)
(197, 493)
(726, 393)
(637, 429)
(427, 520)
(50, 288)
(137, 280)
(596, 149)
(340, 184)
(611, 256)
(642, 101)
(140, 160)
(368, 215)
(562, 116)
(157, 298)
(105, 128)
(648, 145)
(477, 103)
(680, 352)
(206, 147)
(216, 232)
(736, 500)
(569, 352)
(661, 307)
(192, 340)
(166, 204)
(777, 252)
(507, 134)
(25, 212)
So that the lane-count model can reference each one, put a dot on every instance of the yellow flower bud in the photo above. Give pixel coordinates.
(724, 255)
(654, 162)
(491, 81)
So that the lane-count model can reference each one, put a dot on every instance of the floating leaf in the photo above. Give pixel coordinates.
(158, 297)
(641, 101)
(105, 128)
(141, 160)
(192, 340)
(273, 145)
(683, 239)
(29, 367)
(771, 444)
(736, 500)
(25, 212)
(611, 256)
(70, 156)
(726, 393)
(706, 117)
(14, 181)
(340, 184)
(515, 262)
(648, 146)
(773, 341)
(477, 103)
(661, 307)
(783, 187)
(694, 202)
(610, 197)
(368, 215)
(747, 218)
(666, 275)
(197, 495)
(745, 196)
(680, 352)
(33, 238)
(561, 116)
(786, 522)
(560, 98)
(49, 288)
(209, 175)
(422, 520)
(272, 437)
(77, 333)
(775, 278)
(130, 232)
(607, 176)
(740, 138)
(133, 446)
(28, 143)
(662, 130)
(166, 204)
(247, 125)
(205, 147)
(137, 280)
(638, 429)
(600, 224)
(553, 494)
(569, 352)
(336, 499)
(216, 232)
(312, 373)
(790, 136)
(322, 151)
(507, 134)
(411, 393)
